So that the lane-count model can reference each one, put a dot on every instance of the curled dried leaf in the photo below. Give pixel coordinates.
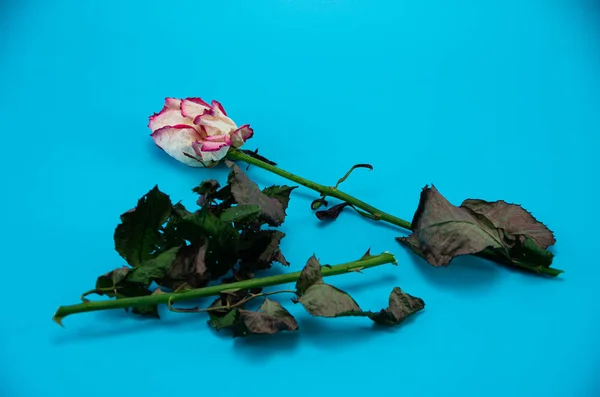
(331, 213)
(270, 318)
(513, 219)
(280, 193)
(189, 269)
(318, 203)
(246, 192)
(206, 190)
(499, 231)
(401, 306)
(325, 300)
(310, 275)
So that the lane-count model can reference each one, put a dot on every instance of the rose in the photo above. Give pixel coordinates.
(196, 133)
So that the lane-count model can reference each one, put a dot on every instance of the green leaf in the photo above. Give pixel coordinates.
(223, 240)
(503, 232)
(220, 320)
(171, 235)
(203, 223)
(270, 318)
(401, 306)
(325, 300)
(246, 192)
(138, 236)
(281, 193)
(310, 275)
(239, 213)
(527, 249)
(152, 269)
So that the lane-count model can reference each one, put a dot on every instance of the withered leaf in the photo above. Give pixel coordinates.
(513, 219)
(224, 309)
(281, 193)
(270, 318)
(310, 275)
(499, 231)
(401, 306)
(247, 192)
(321, 299)
(138, 236)
(177, 249)
(325, 300)
(206, 190)
(442, 231)
(318, 203)
(222, 252)
(331, 213)
(261, 250)
(188, 270)
(112, 278)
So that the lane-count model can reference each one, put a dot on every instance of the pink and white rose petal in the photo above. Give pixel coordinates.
(196, 133)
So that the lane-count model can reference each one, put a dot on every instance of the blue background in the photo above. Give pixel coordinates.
(486, 99)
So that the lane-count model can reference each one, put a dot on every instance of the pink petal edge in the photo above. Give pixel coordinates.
(173, 103)
(167, 116)
(192, 107)
(217, 104)
(212, 146)
(197, 100)
(247, 131)
(162, 130)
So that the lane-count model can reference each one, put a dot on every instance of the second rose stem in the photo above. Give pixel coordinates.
(172, 297)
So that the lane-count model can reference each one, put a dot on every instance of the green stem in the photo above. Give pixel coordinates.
(322, 189)
(166, 298)
(369, 211)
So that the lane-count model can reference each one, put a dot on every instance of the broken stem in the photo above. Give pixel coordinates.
(169, 298)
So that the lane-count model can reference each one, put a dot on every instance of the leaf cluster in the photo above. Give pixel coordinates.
(318, 299)
(166, 245)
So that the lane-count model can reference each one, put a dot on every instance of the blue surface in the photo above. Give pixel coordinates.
(487, 99)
